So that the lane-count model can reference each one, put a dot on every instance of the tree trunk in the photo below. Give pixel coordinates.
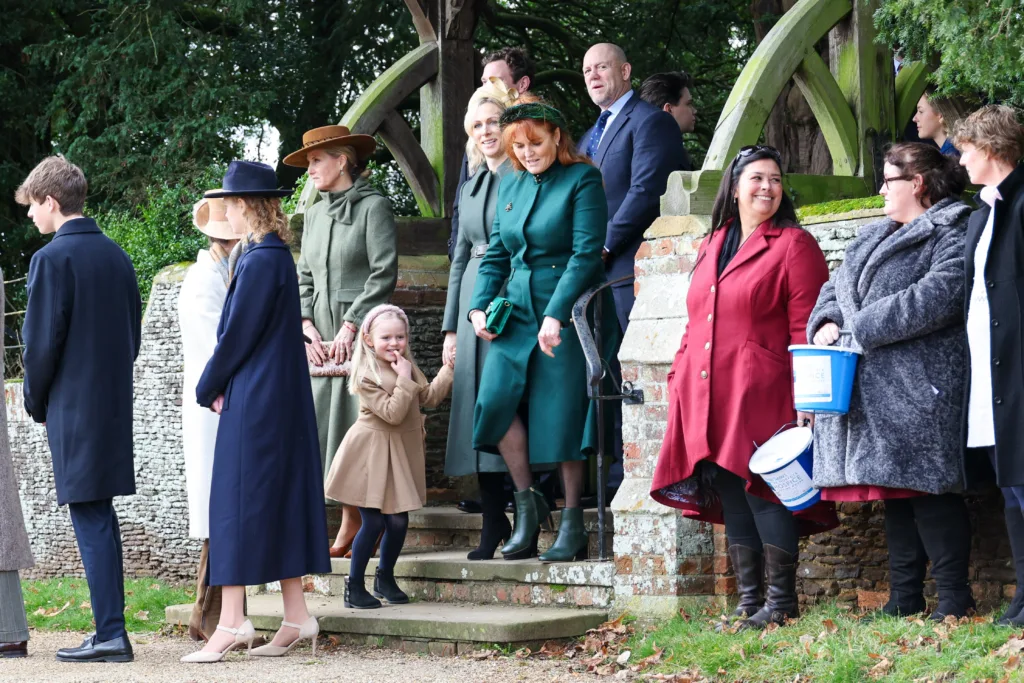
(791, 127)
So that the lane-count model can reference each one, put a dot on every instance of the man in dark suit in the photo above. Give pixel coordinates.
(82, 334)
(513, 67)
(636, 146)
(672, 93)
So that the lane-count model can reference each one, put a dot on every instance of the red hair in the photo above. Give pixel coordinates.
(531, 129)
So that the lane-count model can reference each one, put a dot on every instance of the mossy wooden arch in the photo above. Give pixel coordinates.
(853, 97)
(442, 63)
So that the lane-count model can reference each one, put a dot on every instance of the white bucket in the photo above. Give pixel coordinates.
(785, 462)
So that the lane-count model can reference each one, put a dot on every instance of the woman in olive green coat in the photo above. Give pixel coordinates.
(348, 265)
(488, 164)
(546, 241)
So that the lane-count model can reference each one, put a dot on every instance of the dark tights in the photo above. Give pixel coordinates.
(751, 521)
(374, 522)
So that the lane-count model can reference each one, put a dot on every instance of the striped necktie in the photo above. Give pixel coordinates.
(595, 137)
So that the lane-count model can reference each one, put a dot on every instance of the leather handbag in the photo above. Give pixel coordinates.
(498, 313)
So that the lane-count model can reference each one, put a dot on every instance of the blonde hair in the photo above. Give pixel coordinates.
(493, 92)
(951, 109)
(355, 168)
(264, 215)
(365, 364)
(58, 178)
(995, 130)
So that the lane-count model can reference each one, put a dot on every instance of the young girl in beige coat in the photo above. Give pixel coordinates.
(380, 465)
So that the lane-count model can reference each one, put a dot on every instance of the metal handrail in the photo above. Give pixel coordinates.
(597, 370)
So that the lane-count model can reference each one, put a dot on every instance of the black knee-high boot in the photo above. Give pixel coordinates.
(945, 529)
(496, 528)
(1014, 614)
(908, 561)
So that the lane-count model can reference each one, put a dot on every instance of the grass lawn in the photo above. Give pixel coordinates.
(828, 644)
(63, 604)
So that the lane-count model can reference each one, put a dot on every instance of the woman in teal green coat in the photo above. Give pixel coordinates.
(488, 164)
(546, 242)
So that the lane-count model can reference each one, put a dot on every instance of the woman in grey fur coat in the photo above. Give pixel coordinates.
(900, 292)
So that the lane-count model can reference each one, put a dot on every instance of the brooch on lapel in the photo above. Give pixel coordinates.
(508, 207)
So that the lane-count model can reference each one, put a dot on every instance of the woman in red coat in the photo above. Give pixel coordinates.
(752, 288)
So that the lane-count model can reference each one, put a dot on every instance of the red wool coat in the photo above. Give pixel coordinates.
(731, 383)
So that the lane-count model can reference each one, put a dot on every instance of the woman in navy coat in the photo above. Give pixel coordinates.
(267, 519)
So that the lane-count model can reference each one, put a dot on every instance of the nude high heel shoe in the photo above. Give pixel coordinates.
(307, 631)
(244, 635)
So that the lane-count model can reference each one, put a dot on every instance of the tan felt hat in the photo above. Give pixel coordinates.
(331, 136)
(210, 217)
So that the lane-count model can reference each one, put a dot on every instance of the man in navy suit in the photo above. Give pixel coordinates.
(636, 146)
(671, 92)
(82, 333)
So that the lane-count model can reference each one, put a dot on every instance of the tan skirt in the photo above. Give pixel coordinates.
(381, 469)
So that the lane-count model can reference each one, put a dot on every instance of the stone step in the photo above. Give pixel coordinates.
(447, 576)
(426, 627)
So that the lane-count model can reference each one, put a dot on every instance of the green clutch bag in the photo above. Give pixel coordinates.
(498, 312)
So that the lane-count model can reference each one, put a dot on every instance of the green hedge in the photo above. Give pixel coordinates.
(840, 206)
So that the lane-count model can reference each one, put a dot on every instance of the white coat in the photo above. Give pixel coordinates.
(199, 307)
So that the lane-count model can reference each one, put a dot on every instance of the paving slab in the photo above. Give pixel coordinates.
(426, 620)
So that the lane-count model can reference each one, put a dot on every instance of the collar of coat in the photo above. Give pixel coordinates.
(1012, 183)
(755, 244)
(881, 240)
(270, 241)
(77, 226)
(482, 174)
(339, 204)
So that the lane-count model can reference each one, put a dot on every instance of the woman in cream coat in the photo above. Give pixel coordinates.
(199, 308)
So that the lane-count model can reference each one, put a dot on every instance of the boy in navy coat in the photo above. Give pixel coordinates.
(82, 333)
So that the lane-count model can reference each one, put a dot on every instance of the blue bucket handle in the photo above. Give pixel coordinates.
(778, 431)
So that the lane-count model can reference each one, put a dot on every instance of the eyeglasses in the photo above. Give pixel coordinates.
(886, 181)
(760, 149)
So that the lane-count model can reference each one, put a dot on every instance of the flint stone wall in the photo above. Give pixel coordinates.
(154, 522)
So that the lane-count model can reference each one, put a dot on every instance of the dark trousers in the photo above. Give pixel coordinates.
(99, 542)
(624, 300)
(940, 526)
(751, 521)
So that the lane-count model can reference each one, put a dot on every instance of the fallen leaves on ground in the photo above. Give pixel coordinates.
(142, 615)
(685, 676)
(53, 611)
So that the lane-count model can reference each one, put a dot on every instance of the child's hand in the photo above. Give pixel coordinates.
(450, 361)
(403, 367)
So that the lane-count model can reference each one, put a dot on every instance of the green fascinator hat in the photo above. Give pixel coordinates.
(538, 111)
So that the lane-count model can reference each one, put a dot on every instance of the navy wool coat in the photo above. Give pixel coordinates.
(638, 151)
(82, 333)
(267, 518)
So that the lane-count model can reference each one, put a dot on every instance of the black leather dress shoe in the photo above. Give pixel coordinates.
(470, 506)
(116, 650)
(10, 650)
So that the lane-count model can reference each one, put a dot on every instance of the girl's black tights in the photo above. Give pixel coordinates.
(374, 522)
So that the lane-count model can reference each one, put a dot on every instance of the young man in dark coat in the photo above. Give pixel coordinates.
(82, 333)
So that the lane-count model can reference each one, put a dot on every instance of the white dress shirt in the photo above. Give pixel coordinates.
(981, 429)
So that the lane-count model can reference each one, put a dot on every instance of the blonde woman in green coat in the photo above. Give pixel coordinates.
(348, 265)
(546, 241)
(488, 165)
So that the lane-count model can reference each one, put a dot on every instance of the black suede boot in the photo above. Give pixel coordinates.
(781, 602)
(1014, 614)
(908, 561)
(496, 529)
(945, 529)
(356, 596)
(386, 588)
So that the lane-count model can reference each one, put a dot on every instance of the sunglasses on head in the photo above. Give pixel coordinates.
(760, 149)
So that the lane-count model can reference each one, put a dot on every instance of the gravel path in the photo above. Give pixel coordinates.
(156, 659)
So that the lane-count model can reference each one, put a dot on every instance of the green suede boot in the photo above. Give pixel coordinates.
(531, 510)
(572, 542)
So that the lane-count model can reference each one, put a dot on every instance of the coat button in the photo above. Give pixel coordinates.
(709, 317)
(703, 374)
(998, 401)
(995, 323)
(712, 289)
(707, 345)
(995, 361)
(990, 284)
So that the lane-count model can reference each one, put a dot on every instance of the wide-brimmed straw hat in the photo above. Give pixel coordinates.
(248, 179)
(210, 218)
(331, 136)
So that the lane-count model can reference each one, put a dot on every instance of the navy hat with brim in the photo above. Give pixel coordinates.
(249, 179)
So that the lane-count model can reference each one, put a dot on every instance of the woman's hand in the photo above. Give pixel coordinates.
(804, 419)
(402, 366)
(550, 335)
(448, 350)
(479, 320)
(315, 352)
(218, 404)
(341, 350)
(827, 334)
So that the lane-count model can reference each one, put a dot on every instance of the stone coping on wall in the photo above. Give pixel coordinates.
(858, 215)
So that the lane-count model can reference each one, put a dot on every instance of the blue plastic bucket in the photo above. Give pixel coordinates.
(823, 378)
(786, 463)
